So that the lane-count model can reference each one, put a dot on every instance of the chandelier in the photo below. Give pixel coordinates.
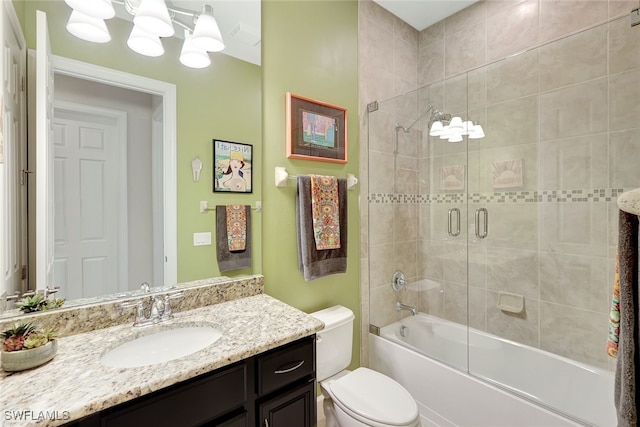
(152, 19)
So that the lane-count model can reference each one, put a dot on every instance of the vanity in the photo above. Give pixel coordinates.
(259, 372)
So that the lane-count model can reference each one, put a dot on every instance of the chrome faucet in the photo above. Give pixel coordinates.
(159, 311)
(400, 306)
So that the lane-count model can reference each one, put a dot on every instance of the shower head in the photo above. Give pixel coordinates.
(436, 115)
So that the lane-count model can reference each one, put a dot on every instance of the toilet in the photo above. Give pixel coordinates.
(362, 397)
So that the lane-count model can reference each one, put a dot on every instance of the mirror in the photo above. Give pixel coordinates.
(234, 80)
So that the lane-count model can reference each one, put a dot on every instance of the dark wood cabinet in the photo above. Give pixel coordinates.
(295, 407)
(272, 389)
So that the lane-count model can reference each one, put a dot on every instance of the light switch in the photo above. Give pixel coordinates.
(202, 239)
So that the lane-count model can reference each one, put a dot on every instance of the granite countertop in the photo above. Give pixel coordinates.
(74, 384)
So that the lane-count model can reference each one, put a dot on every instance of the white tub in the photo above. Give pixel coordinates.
(448, 396)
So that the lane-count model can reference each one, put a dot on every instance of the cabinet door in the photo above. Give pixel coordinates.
(296, 407)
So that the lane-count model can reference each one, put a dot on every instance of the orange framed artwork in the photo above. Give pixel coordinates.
(316, 130)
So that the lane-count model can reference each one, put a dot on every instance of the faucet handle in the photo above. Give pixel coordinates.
(167, 305)
(139, 312)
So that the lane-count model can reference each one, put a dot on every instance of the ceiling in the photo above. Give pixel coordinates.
(240, 24)
(421, 14)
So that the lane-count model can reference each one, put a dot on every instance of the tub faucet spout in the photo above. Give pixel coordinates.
(400, 306)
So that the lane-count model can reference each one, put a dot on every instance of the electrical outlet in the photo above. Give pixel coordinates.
(202, 239)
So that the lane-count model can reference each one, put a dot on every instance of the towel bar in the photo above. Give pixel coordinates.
(282, 176)
(204, 206)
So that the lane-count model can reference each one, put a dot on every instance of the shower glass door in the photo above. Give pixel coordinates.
(561, 125)
(418, 222)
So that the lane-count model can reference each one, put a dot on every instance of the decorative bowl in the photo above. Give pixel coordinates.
(13, 361)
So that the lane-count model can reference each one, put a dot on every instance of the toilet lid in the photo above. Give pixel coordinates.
(375, 397)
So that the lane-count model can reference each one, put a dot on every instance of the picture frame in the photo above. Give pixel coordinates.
(232, 167)
(316, 130)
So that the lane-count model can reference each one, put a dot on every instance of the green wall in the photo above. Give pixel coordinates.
(309, 48)
(222, 101)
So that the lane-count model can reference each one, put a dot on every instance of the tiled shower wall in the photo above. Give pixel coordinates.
(569, 109)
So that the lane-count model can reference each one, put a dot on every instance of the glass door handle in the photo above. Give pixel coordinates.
(450, 230)
(485, 231)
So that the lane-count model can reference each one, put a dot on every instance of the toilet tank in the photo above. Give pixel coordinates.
(334, 342)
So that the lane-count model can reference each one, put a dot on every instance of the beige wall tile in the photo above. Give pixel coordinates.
(511, 123)
(476, 13)
(623, 159)
(512, 270)
(431, 259)
(405, 31)
(481, 167)
(512, 30)
(465, 49)
(562, 17)
(522, 328)
(381, 179)
(478, 308)
(511, 225)
(455, 262)
(621, 7)
(624, 46)
(513, 77)
(576, 281)
(573, 228)
(406, 257)
(381, 267)
(379, 16)
(573, 333)
(431, 34)
(381, 224)
(574, 59)
(405, 225)
(624, 93)
(382, 310)
(455, 302)
(574, 110)
(431, 62)
(574, 163)
(405, 63)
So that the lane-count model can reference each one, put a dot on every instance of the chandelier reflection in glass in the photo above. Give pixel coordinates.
(152, 20)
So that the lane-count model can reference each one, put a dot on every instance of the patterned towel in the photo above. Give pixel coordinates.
(614, 315)
(236, 227)
(325, 210)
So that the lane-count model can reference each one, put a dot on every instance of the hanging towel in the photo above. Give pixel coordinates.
(228, 260)
(236, 227)
(314, 263)
(614, 314)
(626, 392)
(325, 208)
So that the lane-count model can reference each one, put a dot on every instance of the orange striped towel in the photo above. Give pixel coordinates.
(325, 211)
(614, 315)
(236, 227)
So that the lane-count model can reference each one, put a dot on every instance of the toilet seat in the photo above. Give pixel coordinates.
(374, 399)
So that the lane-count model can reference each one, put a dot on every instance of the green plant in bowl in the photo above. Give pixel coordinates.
(24, 346)
(38, 303)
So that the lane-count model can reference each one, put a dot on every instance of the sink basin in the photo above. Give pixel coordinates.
(161, 346)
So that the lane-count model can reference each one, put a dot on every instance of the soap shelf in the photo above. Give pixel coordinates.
(511, 303)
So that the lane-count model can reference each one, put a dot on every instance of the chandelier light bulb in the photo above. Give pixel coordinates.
(144, 43)
(88, 28)
(436, 128)
(101, 9)
(191, 56)
(153, 17)
(206, 34)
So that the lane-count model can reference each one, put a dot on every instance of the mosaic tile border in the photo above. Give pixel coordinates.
(543, 196)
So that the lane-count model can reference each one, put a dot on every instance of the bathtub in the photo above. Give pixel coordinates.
(512, 384)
